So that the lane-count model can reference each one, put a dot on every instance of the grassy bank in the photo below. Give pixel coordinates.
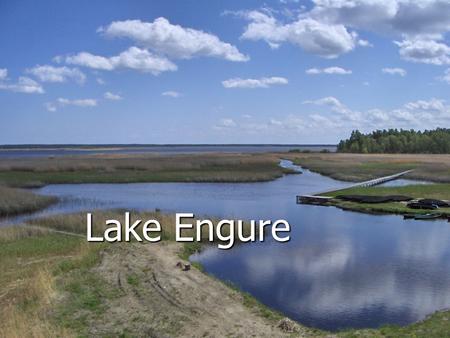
(54, 284)
(361, 167)
(141, 168)
(433, 191)
(128, 289)
(18, 201)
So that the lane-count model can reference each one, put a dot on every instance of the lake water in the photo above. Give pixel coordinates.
(63, 150)
(340, 269)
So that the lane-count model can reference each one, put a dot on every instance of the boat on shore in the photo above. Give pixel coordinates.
(428, 216)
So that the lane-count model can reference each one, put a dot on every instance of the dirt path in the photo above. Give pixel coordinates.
(160, 300)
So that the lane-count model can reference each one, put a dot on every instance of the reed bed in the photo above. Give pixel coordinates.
(140, 168)
(359, 167)
(18, 201)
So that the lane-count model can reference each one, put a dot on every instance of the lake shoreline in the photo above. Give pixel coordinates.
(436, 321)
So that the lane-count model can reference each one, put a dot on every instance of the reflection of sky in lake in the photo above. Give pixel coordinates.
(340, 269)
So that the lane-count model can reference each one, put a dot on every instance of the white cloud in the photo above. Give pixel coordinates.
(171, 93)
(401, 17)
(326, 101)
(422, 24)
(263, 82)
(394, 71)
(332, 118)
(111, 96)
(420, 114)
(63, 102)
(78, 102)
(446, 76)
(23, 85)
(325, 29)
(313, 36)
(51, 106)
(49, 73)
(364, 43)
(3, 73)
(425, 51)
(133, 58)
(329, 70)
(225, 123)
(173, 40)
(100, 81)
(86, 59)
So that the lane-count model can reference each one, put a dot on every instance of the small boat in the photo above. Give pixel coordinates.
(410, 216)
(428, 216)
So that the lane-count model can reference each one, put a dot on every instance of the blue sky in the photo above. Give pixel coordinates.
(282, 71)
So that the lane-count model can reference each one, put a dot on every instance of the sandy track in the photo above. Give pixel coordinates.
(159, 300)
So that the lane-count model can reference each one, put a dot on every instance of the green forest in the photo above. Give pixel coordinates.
(396, 141)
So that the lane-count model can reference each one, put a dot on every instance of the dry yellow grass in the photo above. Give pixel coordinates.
(17, 201)
(28, 254)
(140, 168)
(358, 167)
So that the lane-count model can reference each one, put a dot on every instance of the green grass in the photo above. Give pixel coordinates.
(133, 279)
(86, 294)
(18, 201)
(434, 191)
(435, 326)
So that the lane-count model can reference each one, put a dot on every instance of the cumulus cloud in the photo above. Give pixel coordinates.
(111, 96)
(173, 40)
(49, 73)
(328, 116)
(312, 35)
(133, 58)
(23, 85)
(331, 102)
(264, 82)
(401, 17)
(364, 43)
(78, 102)
(329, 28)
(63, 102)
(3, 73)
(418, 114)
(421, 24)
(171, 93)
(425, 51)
(394, 71)
(329, 70)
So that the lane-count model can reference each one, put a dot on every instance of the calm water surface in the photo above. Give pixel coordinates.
(340, 269)
(61, 150)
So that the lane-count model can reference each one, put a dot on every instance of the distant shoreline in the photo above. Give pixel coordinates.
(122, 146)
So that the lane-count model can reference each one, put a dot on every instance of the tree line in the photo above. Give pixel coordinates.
(396, 141)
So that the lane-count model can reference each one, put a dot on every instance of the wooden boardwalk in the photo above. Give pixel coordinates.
(320, 197)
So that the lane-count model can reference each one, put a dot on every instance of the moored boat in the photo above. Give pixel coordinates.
(428, 216)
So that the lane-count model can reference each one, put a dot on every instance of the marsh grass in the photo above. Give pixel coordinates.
(361, 167)
(141, 168)
(18, 201)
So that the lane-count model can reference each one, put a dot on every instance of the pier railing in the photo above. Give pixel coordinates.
(320, 197)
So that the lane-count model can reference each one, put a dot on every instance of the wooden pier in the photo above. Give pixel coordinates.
(321, 198)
